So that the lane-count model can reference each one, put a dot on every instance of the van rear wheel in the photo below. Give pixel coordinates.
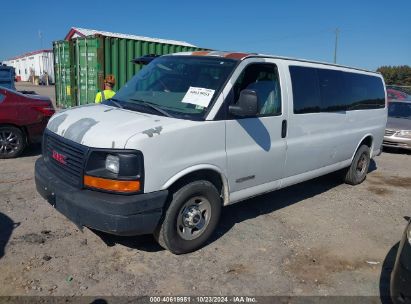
(358, 170)
(191, 217)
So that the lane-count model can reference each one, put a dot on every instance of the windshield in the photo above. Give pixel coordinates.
(399, 110)
(176, 86)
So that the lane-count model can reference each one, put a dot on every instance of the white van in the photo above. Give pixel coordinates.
(193, 132)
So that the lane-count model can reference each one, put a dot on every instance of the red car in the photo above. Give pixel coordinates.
(23, 119)
(396, 95)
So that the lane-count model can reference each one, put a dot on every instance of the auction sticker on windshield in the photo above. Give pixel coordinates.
(198, 96)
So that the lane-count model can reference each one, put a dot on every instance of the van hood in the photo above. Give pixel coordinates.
(102, 126)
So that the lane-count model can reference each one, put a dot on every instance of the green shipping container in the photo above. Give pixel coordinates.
(62, 72)
(88, 70)
(96, 56)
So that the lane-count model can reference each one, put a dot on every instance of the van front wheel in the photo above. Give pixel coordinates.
(191, 217)
(358, 170)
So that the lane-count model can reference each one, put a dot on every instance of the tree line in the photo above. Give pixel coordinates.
(396, 75)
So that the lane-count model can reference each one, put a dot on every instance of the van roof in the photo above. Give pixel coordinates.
(241, 56)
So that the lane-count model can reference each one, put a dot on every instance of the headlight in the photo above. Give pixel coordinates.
(113, 163)
(115, 171)
(404, 133)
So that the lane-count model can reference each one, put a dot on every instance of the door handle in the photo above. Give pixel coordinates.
(284, 129)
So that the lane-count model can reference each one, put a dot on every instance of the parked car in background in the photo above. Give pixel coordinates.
(397, 95)
(398, 130)
(401, 274)
(23, 119)
(7, 77)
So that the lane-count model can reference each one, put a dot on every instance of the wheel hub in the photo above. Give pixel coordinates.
(192, 217)
(361, 164)
(8, 142)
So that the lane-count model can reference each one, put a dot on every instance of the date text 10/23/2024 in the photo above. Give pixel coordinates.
(203, 299)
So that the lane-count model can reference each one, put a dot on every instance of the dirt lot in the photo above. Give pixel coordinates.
(320, 237)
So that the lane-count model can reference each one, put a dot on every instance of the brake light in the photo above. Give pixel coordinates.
(45, 110)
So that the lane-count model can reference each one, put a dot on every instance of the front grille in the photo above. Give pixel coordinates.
(389, 132)
(71, 171)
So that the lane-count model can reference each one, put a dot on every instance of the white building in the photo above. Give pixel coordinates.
(34, 63)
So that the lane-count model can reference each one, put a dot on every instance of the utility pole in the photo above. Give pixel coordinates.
(337, 32)
(41, 39)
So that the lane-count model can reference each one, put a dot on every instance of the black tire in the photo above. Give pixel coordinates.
(12, 142)
(358, 170)
(175, 227)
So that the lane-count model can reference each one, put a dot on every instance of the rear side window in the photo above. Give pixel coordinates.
(364, 92)
(321, 90)
(331, 90)
(1, 97)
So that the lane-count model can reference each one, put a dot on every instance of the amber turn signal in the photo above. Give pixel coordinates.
(111, 184)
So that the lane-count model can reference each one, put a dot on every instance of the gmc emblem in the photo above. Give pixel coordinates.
(59, 157)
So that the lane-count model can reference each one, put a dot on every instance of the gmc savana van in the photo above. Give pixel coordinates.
(193, 132)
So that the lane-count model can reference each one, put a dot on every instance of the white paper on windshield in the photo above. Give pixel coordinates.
(198, 96)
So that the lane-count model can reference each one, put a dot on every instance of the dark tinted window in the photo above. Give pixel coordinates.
(363, 92)
(306, 91)
(331, 90)
(322, 90)
(399, 110)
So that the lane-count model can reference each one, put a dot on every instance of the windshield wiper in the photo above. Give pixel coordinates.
(154, 107)
(116, 102)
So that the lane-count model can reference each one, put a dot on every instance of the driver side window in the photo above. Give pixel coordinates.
(263, 79)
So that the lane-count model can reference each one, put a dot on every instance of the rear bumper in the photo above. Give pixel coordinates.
(113, 213)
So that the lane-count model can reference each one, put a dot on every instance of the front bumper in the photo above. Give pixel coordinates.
(113, 213)
(401, 274)
(397, 142)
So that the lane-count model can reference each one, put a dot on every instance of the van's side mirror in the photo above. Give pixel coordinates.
(247, 104)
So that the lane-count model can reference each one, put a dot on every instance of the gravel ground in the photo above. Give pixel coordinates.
(320, 237)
